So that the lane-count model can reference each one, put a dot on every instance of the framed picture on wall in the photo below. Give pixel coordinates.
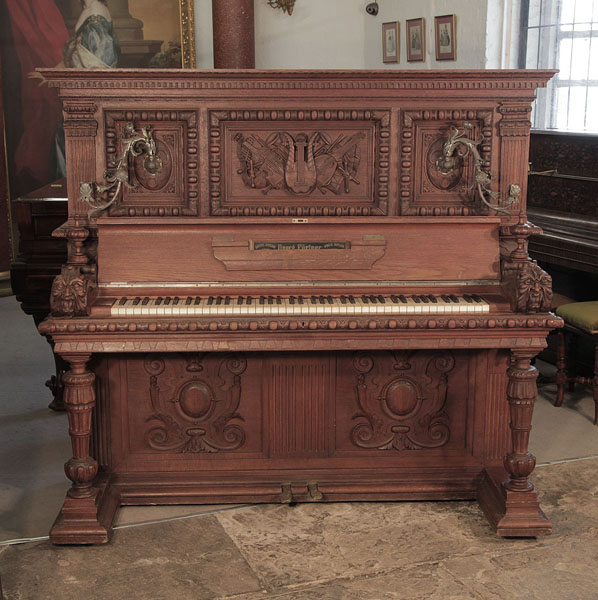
(75, 33)
(446, 37)
(416, 40)
(390, 42)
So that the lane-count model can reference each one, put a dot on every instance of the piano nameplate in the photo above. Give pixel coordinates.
(300, 245)
(258, 255)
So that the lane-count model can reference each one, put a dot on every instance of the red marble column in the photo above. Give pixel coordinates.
(234, 34)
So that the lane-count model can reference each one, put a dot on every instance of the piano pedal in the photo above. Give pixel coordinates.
(286, 497)
(314, 492)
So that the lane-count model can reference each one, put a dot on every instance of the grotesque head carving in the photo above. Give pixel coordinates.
(534, 289)
(69, 293)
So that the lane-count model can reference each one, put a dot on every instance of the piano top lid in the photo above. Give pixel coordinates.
(175, 81)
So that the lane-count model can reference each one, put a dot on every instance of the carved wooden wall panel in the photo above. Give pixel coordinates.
(190, 404)
(174, 189)
(424, 190)
(299, 162)
(394, 402)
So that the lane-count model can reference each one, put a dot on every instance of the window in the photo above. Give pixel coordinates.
(563, 34)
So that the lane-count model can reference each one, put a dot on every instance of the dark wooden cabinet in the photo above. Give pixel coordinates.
(40, 259)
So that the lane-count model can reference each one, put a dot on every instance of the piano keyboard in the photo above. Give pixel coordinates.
(297, 305)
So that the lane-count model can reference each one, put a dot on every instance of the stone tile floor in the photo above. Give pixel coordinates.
(352, 551)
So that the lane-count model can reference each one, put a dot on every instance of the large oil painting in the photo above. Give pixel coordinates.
(83, 34)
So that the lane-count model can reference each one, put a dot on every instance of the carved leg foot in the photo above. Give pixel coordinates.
(88, 510)
(511, 504)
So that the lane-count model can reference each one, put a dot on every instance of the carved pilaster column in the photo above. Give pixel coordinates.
(514, 128)
(90, 504)
(512, 505)
(521, 394)
(79, 398)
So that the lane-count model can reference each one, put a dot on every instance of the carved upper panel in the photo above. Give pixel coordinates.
(299, 162)
(425, 189)
(171, 190)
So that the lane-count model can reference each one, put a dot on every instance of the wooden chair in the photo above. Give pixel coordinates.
(581, 318)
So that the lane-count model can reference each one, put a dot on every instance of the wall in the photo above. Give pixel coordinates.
(471, 32)
(338, 34)
(320, 34)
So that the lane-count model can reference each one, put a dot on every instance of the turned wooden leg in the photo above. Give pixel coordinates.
(561, 365)
(572, 360)
(79, 399)
(56, 385)
(511, 505)
(84, 518)
(521, 394)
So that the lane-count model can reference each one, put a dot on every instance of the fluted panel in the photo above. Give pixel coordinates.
(297, 401)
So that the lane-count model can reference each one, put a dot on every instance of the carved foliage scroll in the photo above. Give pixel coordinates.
(424, 189)
(174, 189)
(299, 162)
(198, 412)
(403, 410)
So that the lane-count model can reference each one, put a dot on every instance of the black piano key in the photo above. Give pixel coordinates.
(477, 298)
(433, 299)
(314, 300)
(351, 299)
(175, 301)
(159, 300)
(145, 301)
(330, 299)
(425, 299)
(218, 300)
(343, 300)
(122, 301)
(322, 300)
(365, 299)
(249, 300)
(227, 300)
(188, 300)
(270, 300)
(136, 301)
(381, 299)
(240, 300)
(262, 300)
(454, 298)
(278, 300)
(394, 299)
(301, 300)
(291, 299)
(167, 300)
(417, 299)
(210, 300)
(373, 299)
(468, 298)
(197, 301)
(403, 299)
(445, 298)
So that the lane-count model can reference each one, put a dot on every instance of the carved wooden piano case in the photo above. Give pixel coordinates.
(298, 286)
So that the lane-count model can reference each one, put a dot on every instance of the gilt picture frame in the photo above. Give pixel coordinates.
(416, 39)
(390, 42)
(445, 33)
(136, 34)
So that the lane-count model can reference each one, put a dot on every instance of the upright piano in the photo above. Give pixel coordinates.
(298, 286)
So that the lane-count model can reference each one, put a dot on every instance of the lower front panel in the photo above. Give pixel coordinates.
(372, 425)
